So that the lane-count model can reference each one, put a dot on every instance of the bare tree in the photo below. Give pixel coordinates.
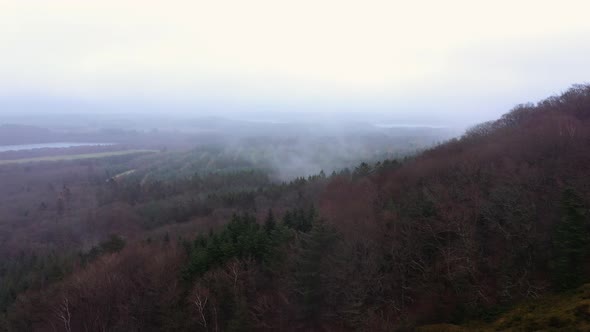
(62, 311)
(200, 298)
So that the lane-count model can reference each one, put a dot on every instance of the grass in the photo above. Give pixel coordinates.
(76, 156)
(568, 311)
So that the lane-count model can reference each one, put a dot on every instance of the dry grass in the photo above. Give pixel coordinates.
(560, 312)
(76, 156)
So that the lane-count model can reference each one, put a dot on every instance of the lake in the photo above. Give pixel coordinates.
(20, 147)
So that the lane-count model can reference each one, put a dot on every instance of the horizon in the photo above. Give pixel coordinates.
(455, 64)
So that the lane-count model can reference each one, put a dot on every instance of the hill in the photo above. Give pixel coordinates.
(462, 232)
(494, 217)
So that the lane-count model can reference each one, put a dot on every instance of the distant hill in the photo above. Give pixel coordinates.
(23, 134)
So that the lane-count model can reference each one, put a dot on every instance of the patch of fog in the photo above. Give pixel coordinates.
(398, 125)
(266, 121)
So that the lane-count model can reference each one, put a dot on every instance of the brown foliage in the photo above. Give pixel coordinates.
(124, 291)
(468, 223)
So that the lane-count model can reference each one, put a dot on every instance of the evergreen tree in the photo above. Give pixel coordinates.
(269, 223)
(288, 219)
(571, 242)
(363, 169)
(314, 253)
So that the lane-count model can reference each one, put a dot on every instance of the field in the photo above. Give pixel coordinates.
(77, 156)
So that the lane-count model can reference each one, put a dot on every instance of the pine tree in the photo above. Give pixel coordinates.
(363, 169)
(314, 253)
(269, 223)
(288, 219)
(571, 242)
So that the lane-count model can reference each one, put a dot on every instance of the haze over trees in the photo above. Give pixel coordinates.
(311, 165)
(220, 237)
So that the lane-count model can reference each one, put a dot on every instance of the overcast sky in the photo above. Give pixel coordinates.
(438, 60)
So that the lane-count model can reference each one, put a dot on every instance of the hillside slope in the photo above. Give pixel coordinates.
(499, 215)
(454, 235)
(569, 311)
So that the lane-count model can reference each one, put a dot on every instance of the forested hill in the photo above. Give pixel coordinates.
(479, 222)
(459, 233)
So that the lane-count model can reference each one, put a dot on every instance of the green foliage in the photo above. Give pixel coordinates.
(245, 240)
(269, 223)
(362, 170)
(309, 279)
(571, 242)
(300, 219)
(176, 210)
(113, 244)
(241, 238)
(26, 271)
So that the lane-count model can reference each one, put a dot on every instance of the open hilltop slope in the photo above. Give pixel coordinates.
(483, 231)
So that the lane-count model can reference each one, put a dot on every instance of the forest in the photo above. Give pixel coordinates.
(419, 234)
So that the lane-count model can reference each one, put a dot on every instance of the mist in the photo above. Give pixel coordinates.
(297, 88)
(309, 165)
(451, 65)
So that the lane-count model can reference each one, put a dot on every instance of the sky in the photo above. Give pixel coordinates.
(438, 61)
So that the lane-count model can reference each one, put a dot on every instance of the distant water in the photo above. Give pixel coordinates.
(20, 147)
